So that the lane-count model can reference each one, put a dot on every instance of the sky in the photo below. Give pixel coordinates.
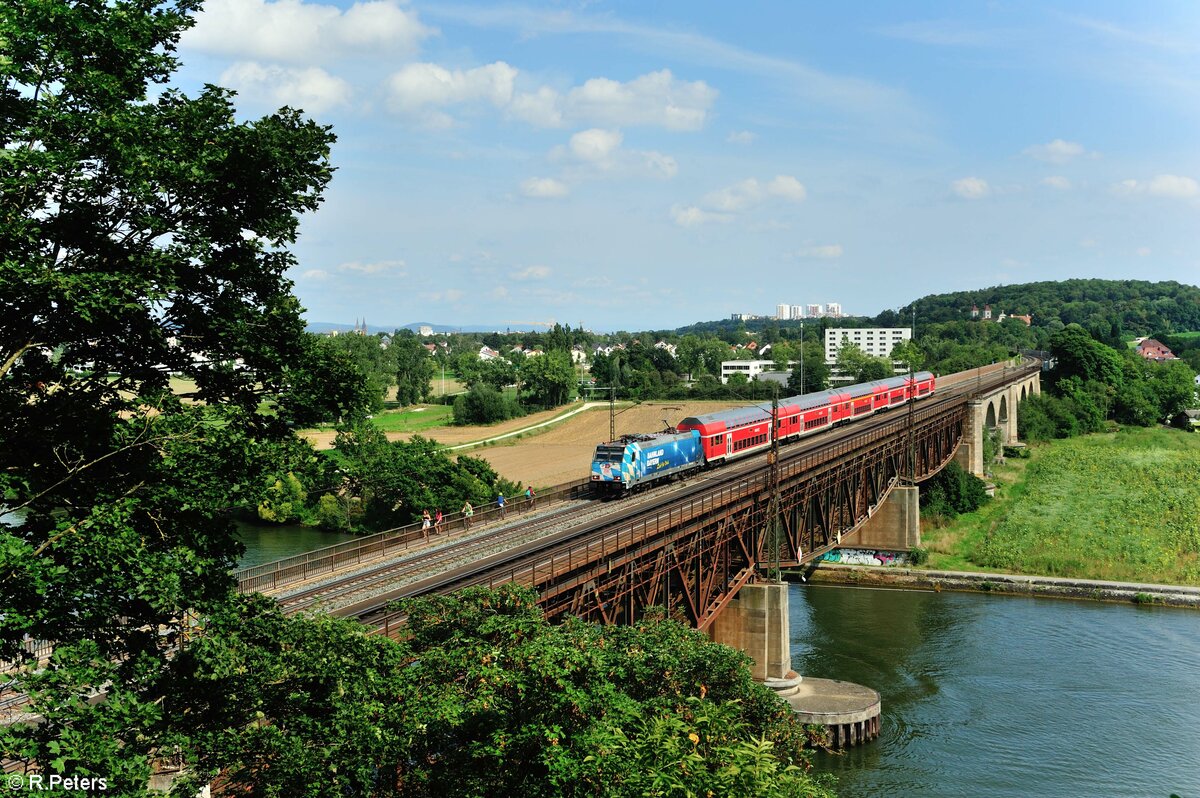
(647, 165)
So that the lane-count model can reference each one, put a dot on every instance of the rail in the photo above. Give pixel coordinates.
(301, 567)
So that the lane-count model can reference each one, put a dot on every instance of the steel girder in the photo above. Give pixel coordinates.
(693, 556)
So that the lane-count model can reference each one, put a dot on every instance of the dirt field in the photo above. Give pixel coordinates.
(563, 452)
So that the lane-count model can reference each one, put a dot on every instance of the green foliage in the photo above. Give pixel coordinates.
(331, 513)
(283, 500)
(1134, 306)
(393, 481)
(862, 367)
(414, 368)
(815, 374)
(548, 378)
(482, 697)
(483, 404)
(1116, 506)
(918, 555)
(323, 384)
(952, 491)
(377, 362)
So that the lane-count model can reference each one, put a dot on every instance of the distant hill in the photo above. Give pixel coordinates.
(1137, 306)
(438, 329)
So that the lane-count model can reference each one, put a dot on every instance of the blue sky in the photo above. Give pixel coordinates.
(648, 165)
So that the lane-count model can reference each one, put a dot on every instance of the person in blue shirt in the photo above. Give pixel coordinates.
(500, 504)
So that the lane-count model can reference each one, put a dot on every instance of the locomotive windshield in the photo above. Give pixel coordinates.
(609, 454)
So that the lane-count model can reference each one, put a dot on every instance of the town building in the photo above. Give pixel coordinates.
(783, 312)
(1154, 350)
(753, 369)
(874, 341)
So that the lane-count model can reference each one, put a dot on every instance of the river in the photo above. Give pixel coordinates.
(273, 542)
(1004, 696)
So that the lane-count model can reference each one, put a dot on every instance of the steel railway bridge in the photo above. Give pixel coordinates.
(692, 547)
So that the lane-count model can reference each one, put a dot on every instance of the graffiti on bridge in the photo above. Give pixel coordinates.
(864, 557)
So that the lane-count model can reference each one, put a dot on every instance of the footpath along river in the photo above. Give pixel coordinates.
(1008, 696)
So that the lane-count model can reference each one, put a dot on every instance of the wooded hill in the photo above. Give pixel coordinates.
(1137, 306)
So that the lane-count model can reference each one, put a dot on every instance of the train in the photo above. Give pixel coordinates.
(637, 460)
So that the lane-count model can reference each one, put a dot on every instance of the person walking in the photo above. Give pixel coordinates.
(530, 496)
(437, 522)
(500, 504)
(425, 522)
(468, 512)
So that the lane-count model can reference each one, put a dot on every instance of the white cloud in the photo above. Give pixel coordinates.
(1173, 186)
(295, 32)
(315, 274)
(1057, 181)
(741, 137)
(1143, 252)
(418, 87)
(1170, 186)
(750, 192)
(312, 89)
(597, 152)
(1057, 151)
(532, 273)
(824, 251)
(691, 216)
(971, 188)
(499, 292)
(787, 187)
(371, 268)
(544, 188)
(655, 99)
(542, 108)
(595, 145)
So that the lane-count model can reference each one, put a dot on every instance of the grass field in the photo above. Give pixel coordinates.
(1123, 506)
(414, 419)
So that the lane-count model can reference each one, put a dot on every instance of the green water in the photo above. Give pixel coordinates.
(267, 543)
(1002, 696)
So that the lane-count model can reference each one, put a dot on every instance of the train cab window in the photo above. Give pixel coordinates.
(718, 440)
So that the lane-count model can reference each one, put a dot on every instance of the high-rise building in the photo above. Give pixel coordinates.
(833, 310)
(815, 311)
(797, 311)
(783, 312)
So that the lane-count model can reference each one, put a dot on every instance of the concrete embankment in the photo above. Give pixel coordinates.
(1015, 584)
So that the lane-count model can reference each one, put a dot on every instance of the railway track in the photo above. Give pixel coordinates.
(373, 611)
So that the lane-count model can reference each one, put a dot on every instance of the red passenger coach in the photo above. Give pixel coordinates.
(731, 433)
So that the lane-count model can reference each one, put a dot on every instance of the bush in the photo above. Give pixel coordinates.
(282, 500)
(483, 404)
(951, 492)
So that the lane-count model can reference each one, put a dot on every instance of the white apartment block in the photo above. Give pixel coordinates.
(797, 311)
(751, 368)
(874, 341)
(783, 312)
(816, 311)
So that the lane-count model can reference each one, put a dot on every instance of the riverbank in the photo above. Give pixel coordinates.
(1010, 584)
(1117, 507)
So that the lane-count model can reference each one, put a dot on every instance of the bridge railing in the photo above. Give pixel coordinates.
(328, 560)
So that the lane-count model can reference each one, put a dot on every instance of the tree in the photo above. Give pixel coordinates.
(323, 384)
(483, 404)
(862, 367)
(142, 233)
(414, 368)
(548, 378)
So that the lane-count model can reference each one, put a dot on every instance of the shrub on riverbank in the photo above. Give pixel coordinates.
(1118, 506)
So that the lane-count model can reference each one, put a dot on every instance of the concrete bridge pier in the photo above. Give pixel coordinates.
(896, 525)
(756, 621)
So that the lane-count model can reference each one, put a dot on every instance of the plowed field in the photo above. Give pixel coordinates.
(564, 452)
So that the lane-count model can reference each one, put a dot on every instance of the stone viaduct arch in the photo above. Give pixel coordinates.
(994, 411)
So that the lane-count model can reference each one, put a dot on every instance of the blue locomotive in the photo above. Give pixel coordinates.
(634, 460)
